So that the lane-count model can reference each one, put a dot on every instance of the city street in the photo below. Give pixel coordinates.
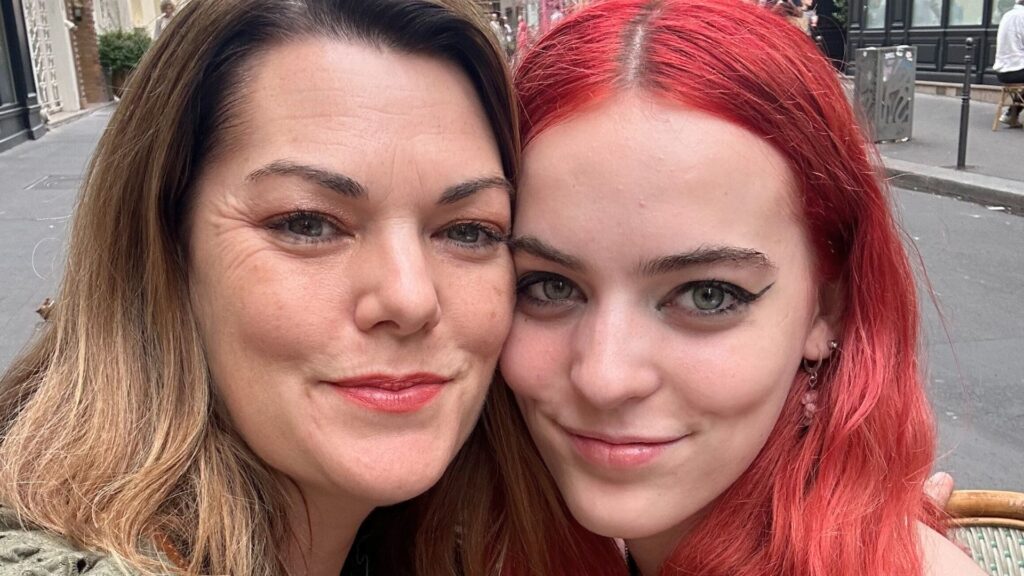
(973, 258)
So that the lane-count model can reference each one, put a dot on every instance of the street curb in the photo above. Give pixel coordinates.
(977, 188)
(79, 115)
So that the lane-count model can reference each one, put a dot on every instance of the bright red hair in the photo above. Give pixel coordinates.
(844, 496)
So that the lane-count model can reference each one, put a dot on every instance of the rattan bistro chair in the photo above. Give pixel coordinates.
(1010, 95)
(991, 524)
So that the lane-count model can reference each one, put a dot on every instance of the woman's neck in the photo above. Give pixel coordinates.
(651, 552)
(323, 529)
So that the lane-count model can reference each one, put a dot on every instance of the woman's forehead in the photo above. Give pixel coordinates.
(631, 154)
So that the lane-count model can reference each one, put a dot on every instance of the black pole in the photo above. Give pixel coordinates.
(965, 108)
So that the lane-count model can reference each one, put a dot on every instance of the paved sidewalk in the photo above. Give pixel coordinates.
(995, 160)
(39, 182)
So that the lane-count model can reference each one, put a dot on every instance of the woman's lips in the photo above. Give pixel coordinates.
(619, 452)
(392, 393)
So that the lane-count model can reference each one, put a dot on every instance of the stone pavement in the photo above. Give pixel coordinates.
(995, 160)
(38, 184)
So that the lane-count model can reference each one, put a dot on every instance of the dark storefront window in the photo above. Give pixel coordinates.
(1000, 7)
(965, 12)
(926, 13)
(874, 14)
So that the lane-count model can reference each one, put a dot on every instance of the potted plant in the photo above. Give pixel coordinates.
(120, 52)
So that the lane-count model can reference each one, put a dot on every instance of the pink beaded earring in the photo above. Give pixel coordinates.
(810, 397)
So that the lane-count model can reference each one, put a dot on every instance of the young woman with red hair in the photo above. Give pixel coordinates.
(715, 342)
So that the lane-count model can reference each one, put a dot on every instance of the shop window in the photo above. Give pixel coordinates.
(927, 13)
(874, 14)
(1000, 7)
(965, 12)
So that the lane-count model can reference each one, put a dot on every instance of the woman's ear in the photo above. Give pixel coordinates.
(825, 325)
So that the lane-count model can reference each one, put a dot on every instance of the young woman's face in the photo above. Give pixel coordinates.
(348, 269)
(666, 297)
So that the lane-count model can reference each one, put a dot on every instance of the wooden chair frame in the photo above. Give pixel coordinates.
(989, 507)
(1008, 91)
(990, 526)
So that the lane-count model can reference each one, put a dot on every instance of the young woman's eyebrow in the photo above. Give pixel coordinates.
(537, 247)
(706, 255)
(321, 177)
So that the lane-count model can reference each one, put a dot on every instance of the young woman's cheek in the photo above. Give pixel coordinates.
(534, 358)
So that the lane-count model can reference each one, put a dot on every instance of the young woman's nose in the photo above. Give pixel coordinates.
(612, 358)
(398, 287)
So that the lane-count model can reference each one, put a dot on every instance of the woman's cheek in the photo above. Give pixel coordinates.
(532, 359)
(725, 378)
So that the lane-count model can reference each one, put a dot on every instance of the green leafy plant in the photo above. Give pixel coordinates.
(121, 50)
(840, 9)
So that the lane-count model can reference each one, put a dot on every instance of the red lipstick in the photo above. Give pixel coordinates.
(392, 393)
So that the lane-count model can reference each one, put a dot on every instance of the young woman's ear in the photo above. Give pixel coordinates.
(826, 324)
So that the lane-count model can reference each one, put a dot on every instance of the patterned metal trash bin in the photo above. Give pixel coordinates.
(884, 91)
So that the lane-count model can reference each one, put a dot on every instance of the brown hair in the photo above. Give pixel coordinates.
(111, 432)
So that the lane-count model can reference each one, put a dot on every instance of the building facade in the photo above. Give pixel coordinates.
(49, 27)
(538, 14)
(937, 28)
(20, 112)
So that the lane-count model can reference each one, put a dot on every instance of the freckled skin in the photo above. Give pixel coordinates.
(385, 292)
(628, 181)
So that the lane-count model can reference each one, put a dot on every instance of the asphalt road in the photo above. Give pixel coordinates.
(973, 257)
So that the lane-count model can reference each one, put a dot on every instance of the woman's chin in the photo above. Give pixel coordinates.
(383, 476)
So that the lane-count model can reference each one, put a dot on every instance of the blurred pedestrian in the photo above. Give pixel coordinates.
(1009, 65)
(791, 12)
(497, 29)
(166, 13)
(509, 38)
(522, 35)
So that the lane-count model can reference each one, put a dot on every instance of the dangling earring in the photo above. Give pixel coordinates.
(810, 397)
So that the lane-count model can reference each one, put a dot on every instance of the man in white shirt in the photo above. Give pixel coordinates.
(1009, 65)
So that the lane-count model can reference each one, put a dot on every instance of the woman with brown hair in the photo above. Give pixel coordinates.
(283, 304)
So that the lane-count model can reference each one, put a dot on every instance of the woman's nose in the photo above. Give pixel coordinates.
(612, 360)
(398, 289)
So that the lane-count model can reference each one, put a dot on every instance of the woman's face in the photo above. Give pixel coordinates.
(347, 268)
(666, 297)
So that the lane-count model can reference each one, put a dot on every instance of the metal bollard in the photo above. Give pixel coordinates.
(965, 108)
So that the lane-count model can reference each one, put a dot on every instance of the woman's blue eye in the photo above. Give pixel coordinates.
(472, 234)
(308, 227)
(710, 297)
(707, 298)
(554, 289)
(547, 289)
(464, 233)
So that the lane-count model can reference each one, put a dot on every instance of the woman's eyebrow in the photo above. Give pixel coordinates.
(537, 247)
(322, 177)
(706, 255)
(466, 189)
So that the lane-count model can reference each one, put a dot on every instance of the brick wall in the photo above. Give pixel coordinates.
(92, 84)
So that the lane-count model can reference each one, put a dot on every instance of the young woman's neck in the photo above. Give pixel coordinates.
(652, 552)
(323, 529)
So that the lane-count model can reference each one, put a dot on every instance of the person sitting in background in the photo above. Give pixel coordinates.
(1009, 65)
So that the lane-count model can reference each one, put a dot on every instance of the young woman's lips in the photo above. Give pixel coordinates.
(619, 453)
(392, 393)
